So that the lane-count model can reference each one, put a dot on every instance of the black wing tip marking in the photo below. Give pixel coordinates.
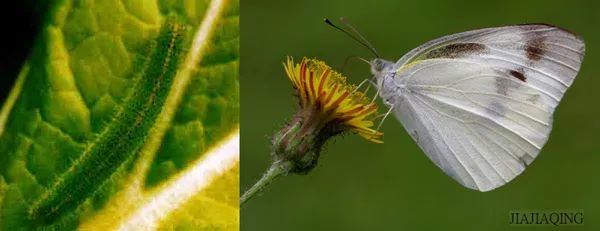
(570, 32)
(536, 45)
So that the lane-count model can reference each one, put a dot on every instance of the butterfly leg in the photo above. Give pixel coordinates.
(359, 86)
(391, 106)
(378, 89)
(369, 87)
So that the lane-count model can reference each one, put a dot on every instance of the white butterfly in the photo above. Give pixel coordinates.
(480, 103)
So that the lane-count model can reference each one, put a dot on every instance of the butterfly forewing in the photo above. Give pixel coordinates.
(480, 103)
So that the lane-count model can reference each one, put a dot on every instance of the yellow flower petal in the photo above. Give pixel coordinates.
(326, 93)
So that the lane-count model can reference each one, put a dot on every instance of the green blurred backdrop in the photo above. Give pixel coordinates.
(360, 185)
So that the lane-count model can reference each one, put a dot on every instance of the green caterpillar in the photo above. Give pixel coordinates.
(123, 136)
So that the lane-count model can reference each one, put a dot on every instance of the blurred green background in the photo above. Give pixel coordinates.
(360, 185)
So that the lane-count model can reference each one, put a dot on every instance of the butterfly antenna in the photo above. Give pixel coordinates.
(347, 24)
(352, 57)
(353, 37)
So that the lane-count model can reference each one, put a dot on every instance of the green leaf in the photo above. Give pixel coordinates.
(126, 114)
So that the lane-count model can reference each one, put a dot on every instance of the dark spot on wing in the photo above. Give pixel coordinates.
(518, 75)
(455, 50)
(503, 85)
(496, 109)
(535, 48)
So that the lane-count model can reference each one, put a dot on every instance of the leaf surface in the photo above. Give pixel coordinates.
(122, 104)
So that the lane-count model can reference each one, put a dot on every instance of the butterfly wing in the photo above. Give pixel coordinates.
(480, 103)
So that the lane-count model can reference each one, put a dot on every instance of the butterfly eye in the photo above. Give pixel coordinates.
(377, 64)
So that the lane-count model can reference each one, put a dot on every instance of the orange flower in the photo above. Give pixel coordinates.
(328, 107)
(329, 98)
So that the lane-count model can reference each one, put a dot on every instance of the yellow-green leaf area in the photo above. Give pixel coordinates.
(211, 209)
(92, 62)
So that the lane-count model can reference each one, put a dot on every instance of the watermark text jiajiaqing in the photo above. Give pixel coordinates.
(553, 218)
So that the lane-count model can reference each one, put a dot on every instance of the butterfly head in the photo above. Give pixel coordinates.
(379, 66)
(383, 74)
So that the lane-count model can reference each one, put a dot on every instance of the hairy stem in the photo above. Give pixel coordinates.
(277, 169)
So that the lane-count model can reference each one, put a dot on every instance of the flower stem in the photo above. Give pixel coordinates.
(276, 169)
